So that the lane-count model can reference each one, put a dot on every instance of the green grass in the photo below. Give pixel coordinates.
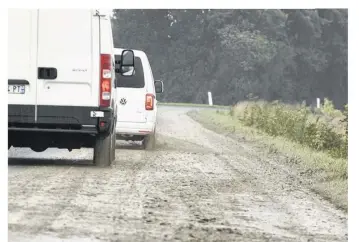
(322, 131)
(327, 174)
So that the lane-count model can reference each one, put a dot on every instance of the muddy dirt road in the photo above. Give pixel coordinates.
(197, 186)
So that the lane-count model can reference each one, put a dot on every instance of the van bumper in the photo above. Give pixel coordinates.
(132, 128)
(58, 118)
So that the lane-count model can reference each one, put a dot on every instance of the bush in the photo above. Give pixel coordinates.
(296, 123)
(328, 108)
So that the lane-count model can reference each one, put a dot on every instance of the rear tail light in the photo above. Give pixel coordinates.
(149, 101)
(105, 80)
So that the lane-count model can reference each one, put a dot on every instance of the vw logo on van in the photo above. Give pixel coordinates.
(123, 101)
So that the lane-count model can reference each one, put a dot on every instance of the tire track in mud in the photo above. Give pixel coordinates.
(113, 202)
(291, 200)
(196, 186)
(285, 208)
(196, 208)
(206, 210)
(37, 208)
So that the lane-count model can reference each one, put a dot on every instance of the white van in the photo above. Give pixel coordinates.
(61, 80)
(137, 104)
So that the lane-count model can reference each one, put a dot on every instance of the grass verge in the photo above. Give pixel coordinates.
(326, 175)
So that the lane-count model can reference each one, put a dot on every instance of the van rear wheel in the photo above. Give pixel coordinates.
(102, 151)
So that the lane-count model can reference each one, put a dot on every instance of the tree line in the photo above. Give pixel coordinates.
(292, 55)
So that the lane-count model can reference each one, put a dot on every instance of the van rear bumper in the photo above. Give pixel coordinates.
(83, 130)
(58, 118)
(21, 113)
(132, 128)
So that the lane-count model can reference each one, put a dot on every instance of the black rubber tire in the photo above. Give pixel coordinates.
(113, 148)
(149, 142)
(102, 151)
(38, 149)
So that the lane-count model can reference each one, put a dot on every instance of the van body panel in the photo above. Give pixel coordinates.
(76, 57)
(22, 73)
(54, 66)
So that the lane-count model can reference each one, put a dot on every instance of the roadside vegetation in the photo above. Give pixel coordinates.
(322, 130)
(313, 140)
(276, 54)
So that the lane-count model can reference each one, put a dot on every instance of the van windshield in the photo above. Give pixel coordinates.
(136, 80)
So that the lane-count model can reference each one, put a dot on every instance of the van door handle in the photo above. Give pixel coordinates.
(47, 73)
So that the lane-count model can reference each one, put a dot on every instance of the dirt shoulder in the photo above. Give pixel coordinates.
(317, 170)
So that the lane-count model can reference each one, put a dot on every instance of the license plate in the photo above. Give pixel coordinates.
(16, 89)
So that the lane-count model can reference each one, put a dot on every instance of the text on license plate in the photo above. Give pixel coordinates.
(16, 89)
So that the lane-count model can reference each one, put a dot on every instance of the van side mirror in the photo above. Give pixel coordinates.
(126, 64)
(159, 86)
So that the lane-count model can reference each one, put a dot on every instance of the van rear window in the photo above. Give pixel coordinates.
(136, 80)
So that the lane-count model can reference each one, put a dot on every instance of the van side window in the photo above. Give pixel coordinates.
(137, 80)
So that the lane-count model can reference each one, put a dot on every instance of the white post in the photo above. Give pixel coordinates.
(318, 102)
(210, 99)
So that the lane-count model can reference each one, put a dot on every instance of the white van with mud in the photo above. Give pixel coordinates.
(61, 80)
(137, 103)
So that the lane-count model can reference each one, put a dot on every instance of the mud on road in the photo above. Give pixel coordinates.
(196, 186)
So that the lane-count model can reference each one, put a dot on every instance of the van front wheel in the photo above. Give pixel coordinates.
(102, 151)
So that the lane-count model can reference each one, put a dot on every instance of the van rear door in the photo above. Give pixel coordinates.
(68, 58)
(22, 74)
(131, 92)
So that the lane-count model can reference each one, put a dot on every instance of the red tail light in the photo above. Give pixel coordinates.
(105, 80)
(150, 98)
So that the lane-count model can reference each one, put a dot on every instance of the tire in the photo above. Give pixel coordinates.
(38, 149)
(102, 151)
(149, 142)
(113, 148)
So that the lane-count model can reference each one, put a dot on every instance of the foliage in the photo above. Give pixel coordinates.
(289, 55)
(329, 109)
(296, 123)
